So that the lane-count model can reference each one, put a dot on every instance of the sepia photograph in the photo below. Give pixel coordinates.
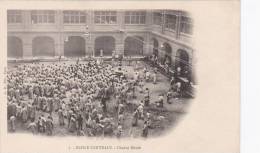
(120, 76)
(99, 73)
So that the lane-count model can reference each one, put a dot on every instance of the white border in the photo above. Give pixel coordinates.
(250, 76)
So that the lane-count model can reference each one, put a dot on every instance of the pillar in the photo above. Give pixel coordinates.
(89, 42)
(161, 51)
(60, 42)
(120, 48)
(121, 19)
(89, 49)
(149, 17)
(27, 48)
(147, 48)
(178, 25)
(27, 19)
(59, 46)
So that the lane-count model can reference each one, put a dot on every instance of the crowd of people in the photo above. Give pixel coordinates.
(180, 72)
(88, 99)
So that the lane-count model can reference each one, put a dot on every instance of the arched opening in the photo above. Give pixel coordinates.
(155, 47)
(43, 46)
(106, 44)
(14, 47)
(167, 54)
(133, 46)
(74, 46)
(182, 61)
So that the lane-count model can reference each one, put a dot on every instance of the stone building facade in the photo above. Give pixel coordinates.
(79, 33)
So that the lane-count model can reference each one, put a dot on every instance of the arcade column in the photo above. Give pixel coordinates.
(56, 49)
(89, 49)
(27, 48)
(120, 43)
(120, 48)
(161, 51)
(178, 26)
(147, 46)
(59, 49)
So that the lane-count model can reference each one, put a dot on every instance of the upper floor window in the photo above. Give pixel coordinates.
(14, 16)
(186, 25)
(170, 21)
(135, 17)
(74, 17)
(42, 16)
(105, 17)
(157, 18)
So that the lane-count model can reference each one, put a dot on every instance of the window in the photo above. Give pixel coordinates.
(74, 17)
(186, 25)
(157, 18)
(135, 17)
(170, 21)
(14, 16)
(42, 17)
(105, 17)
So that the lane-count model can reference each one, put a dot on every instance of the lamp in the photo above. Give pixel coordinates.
(162, 46)
(66, 39)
